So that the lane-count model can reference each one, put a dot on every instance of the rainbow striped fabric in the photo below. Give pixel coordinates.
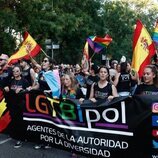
(155, 33)
(98, 43)
(103, 41)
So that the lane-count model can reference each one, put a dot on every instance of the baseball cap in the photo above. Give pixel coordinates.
(4, 56)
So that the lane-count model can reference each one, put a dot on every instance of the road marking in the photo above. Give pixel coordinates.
(4, 141)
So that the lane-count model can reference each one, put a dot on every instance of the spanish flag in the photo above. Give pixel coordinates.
(28, 48)
(5, 117)
(143, 48)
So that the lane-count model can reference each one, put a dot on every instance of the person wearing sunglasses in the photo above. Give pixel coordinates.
(48, 77)
(18, 84)
(47, 65)
(5, 73)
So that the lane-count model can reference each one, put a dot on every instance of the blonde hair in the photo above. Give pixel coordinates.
(73, 81)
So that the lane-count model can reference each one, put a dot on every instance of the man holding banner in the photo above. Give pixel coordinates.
(5, 72)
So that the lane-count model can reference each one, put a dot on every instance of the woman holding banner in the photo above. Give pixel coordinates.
(150, 82)
(103, 89)
(71, 89)
(45, 78)
(18, 84)
(48, 79)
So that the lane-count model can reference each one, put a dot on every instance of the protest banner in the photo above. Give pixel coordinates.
(124, 127)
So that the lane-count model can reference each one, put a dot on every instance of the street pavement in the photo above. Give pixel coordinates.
(27, 150)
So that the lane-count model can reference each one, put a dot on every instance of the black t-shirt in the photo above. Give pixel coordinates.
(26, 74)
(90, 80)
(102, 93)
(22, 83)
(5, 77)
(146, 90)
(124, 83)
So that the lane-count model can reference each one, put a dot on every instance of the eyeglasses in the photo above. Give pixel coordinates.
(16, 71)
(44, 61)
(2, 59)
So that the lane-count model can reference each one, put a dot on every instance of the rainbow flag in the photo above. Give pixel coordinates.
(103, 41)
(143, 48)
(155, 33)
(98, 43)
(28, 48)
(96, 47)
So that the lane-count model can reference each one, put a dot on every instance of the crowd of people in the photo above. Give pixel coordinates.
(99, 83)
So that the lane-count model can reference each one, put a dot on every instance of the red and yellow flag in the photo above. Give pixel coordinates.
(143, 48)
(5, 117)
(28, 48)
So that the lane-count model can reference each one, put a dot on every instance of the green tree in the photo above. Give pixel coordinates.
(67, 22)
(8, 21)
(120, 20)
(75, 22)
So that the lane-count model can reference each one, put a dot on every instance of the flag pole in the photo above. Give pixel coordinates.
(92, 56)
(44, 53)
(34, 62)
